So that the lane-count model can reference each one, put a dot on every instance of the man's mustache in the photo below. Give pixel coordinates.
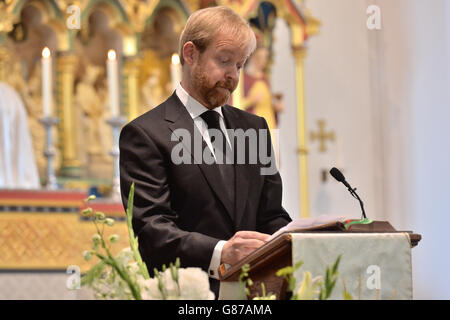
(229, 85)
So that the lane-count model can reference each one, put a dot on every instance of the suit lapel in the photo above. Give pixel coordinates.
(179, 118)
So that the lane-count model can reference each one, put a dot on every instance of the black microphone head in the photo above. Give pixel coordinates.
(337, 174)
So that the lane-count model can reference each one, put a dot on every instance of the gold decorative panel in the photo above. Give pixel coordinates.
(49, 240)
(44, 230)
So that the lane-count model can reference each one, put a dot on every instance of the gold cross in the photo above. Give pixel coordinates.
(322, 135)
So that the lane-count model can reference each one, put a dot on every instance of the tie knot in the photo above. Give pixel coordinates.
(211, 118)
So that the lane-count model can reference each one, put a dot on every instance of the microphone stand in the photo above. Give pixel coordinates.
(355, 195)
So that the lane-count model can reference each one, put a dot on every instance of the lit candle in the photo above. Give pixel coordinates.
(46, 82)
(113, 83)
(175, 71)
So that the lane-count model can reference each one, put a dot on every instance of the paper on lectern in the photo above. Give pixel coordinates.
(306, 223)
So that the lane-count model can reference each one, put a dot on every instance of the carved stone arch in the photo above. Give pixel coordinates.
(158, 41)
(167, 20)
(112, 8)
(49, 6)
(108, 17)
(50, 16)
(175, 9)
(116, 17)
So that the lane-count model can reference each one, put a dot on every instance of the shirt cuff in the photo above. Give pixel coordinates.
(215, 260)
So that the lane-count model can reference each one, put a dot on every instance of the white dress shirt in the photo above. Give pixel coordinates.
(195, 109)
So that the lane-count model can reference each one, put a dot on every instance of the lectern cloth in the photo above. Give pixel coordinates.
(373, 265)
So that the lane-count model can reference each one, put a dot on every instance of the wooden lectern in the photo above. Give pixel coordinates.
(277, 253)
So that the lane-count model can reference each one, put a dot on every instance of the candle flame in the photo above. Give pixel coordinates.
(111, 55)
(175, 59)
(46, 53)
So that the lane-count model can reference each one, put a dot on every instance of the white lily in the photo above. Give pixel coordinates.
(309, 287)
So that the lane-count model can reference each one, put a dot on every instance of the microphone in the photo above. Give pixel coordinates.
(337, 174)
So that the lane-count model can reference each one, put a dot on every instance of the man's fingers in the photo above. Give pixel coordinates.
(253, 235)
(238, 247)
(249, 244)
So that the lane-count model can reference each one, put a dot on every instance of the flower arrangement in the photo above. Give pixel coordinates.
(317, 288)
(125, 276)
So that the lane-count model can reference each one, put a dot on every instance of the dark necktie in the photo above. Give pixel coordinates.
(221, 151)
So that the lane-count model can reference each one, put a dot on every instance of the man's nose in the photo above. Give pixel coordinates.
(233, 74)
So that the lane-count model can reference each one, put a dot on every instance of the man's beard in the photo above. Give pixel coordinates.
(215, 95)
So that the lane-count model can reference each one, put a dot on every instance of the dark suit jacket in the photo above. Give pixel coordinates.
(180, 210)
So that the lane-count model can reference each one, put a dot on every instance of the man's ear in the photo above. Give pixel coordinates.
(190, 53)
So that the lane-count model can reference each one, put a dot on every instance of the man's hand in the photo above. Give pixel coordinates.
(242, 244)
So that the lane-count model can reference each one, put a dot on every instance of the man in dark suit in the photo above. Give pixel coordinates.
(185, 205)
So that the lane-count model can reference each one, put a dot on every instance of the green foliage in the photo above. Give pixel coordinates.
(174, 273)
(134, 245)
(326, 286)
(94, 273)
(346, 295)
(126, 275)
(265, 296)
(101, 249)
(246, 282)
(288, 274)
(331, 276)
(244, 278)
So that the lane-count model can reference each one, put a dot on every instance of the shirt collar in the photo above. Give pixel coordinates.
(194, 107)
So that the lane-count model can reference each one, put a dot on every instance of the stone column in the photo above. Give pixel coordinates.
(131, 86)
(4, 57)
(71, 165)
(299, 53)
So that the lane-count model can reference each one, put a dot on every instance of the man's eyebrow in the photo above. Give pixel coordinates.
(225, 51)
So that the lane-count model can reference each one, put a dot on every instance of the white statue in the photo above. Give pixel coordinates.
(18, 168)
(152, 93)
(88, 99)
